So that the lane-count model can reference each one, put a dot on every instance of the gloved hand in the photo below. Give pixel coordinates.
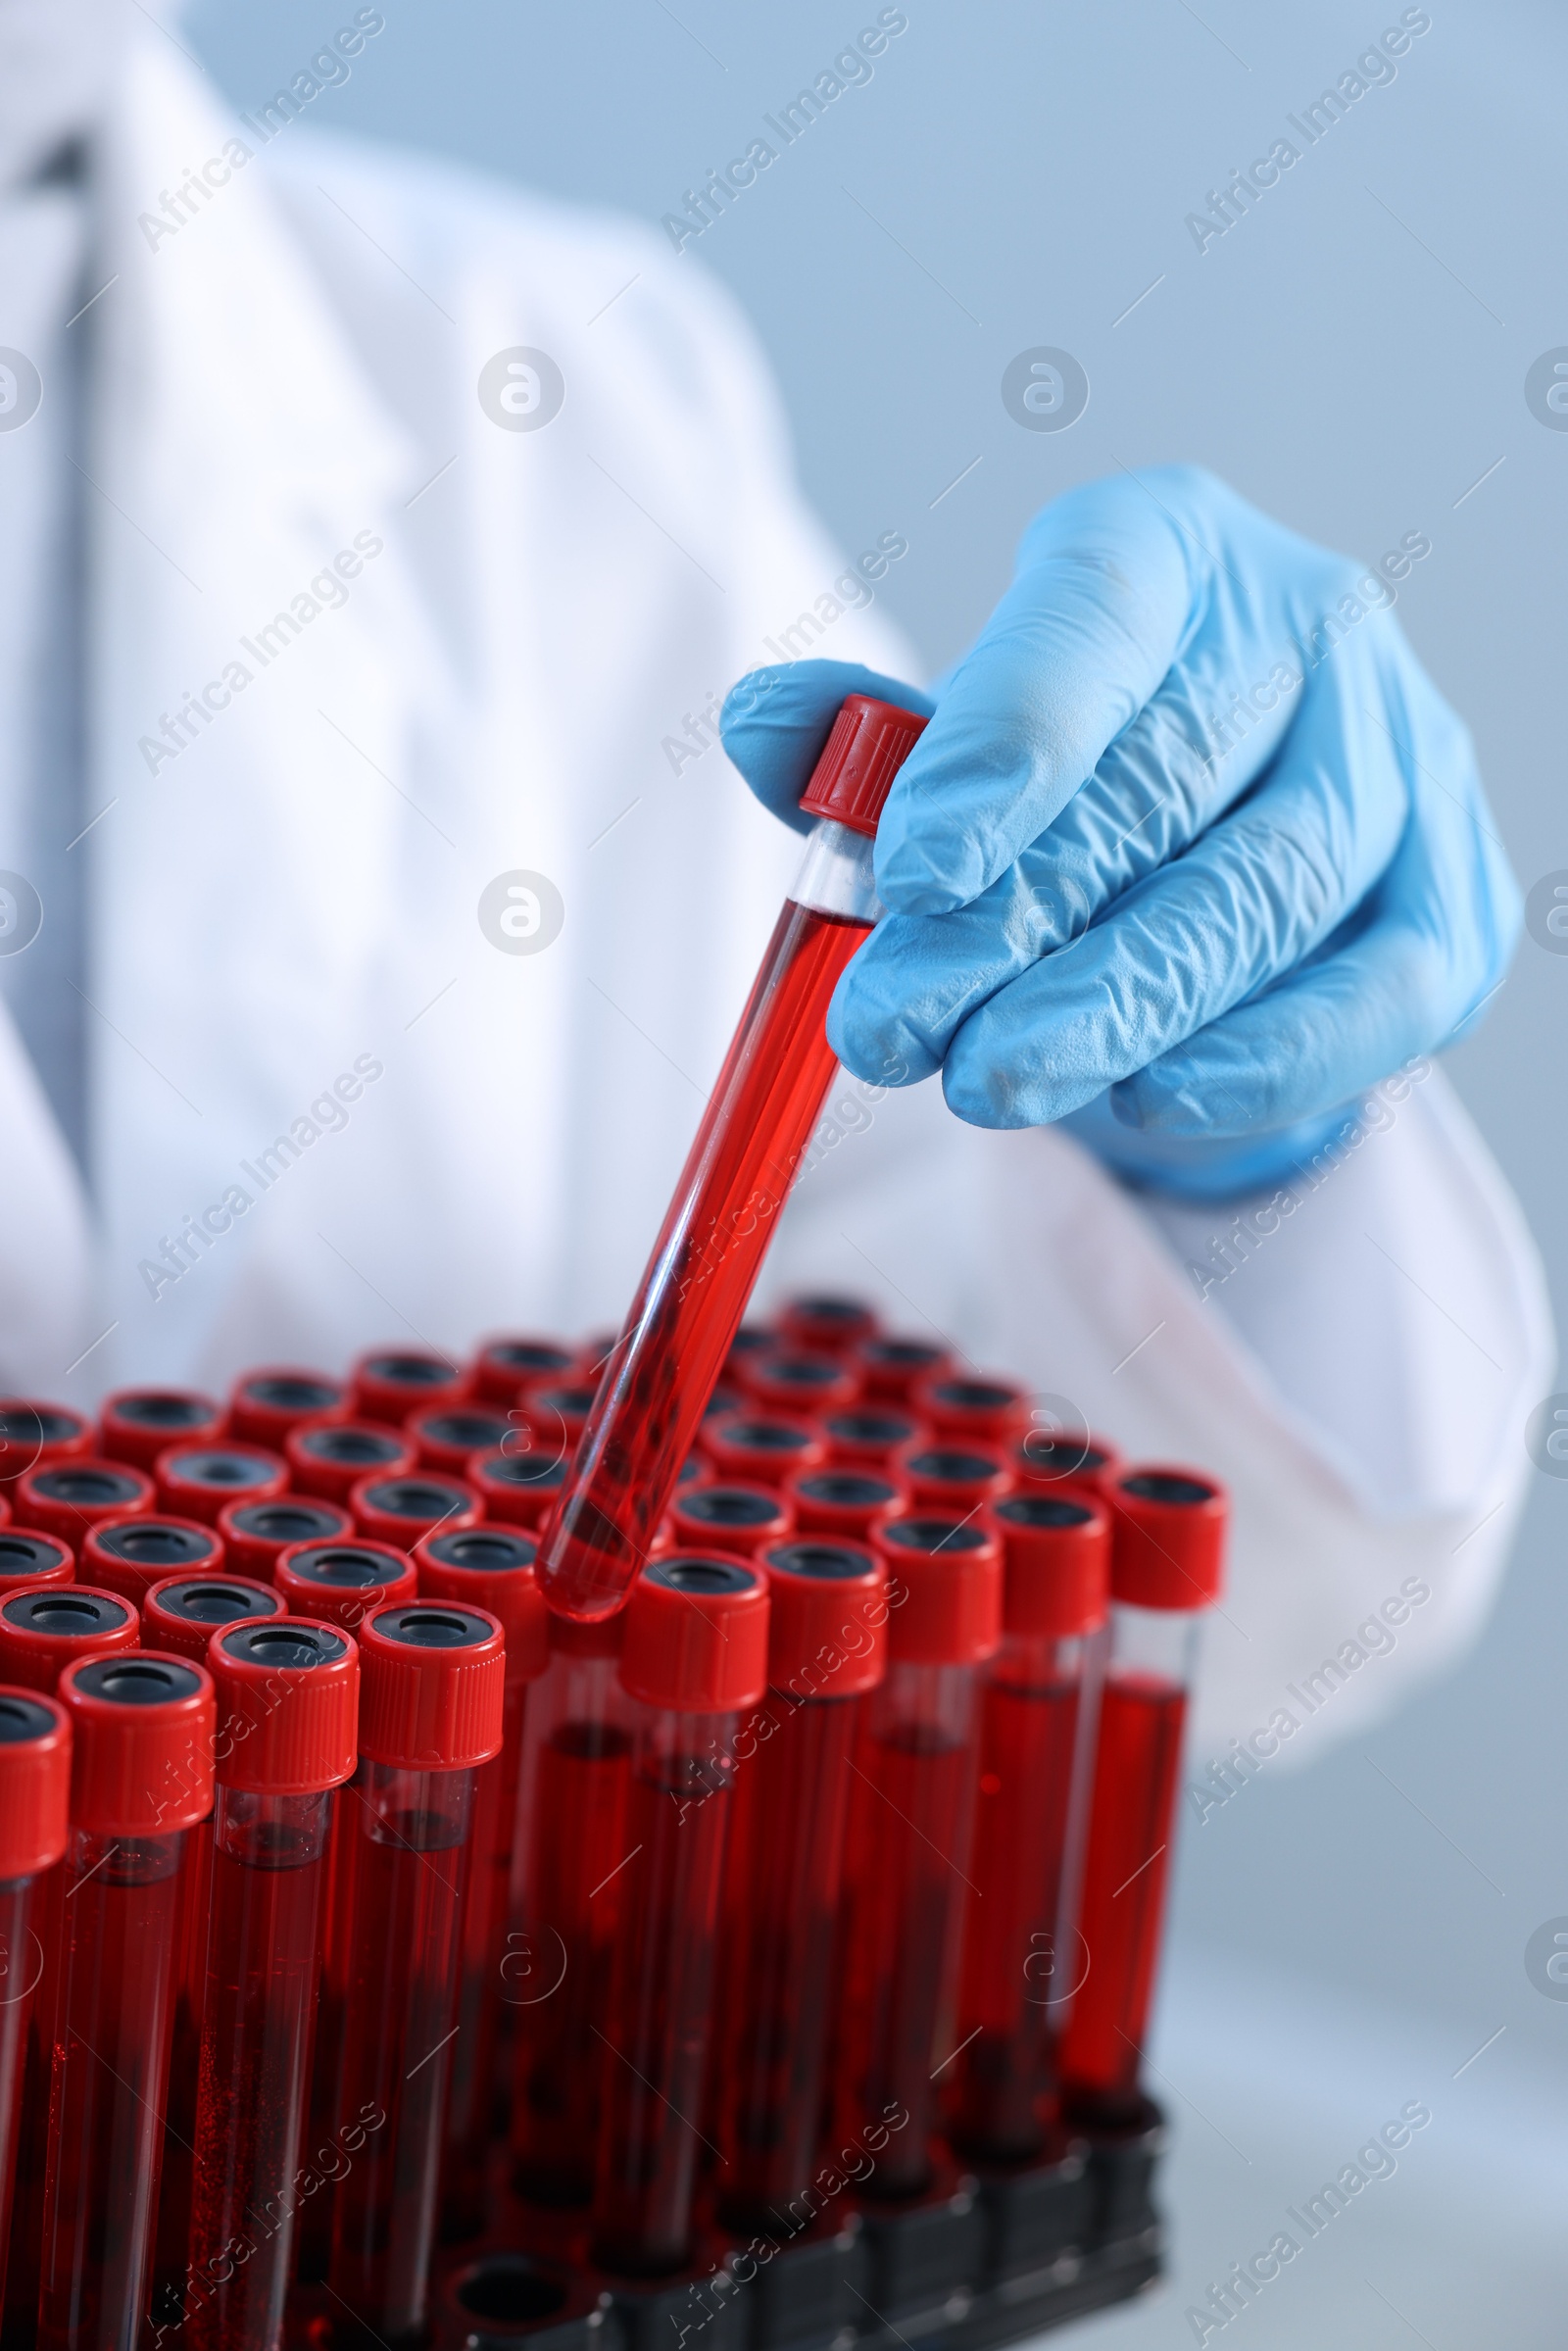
(1190, 830)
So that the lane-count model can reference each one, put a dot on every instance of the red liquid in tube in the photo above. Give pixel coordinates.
(737, 1176)
(34, 1795)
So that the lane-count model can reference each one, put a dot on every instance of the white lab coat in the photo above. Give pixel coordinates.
(290, 377)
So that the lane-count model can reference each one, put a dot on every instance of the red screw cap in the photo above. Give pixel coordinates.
(491, 1567)
(952, 1474)
(142, 1728)
(1054, 1457)
(854, 775)
(140, 1423)
(32, 1434)
(29, 1559)
(129, 1555)
(449, 1436)
(288, 1705)
(266, 1404)
(342, 1582)
(433, 1687)
(729, 1517)
(198, 1480)
(695, 1638)
(792, 1380)
(870, 1435)
(890, 1368)
(184, 1612)
(34, 1783)
(829, 1324)
(943, 1589)
(390, 1383)
(988, 1406)
(761, 1448)
(519, 1488)
(827, 1620)
(505, 1368)
(844, 1501)
(1168, 1538)
(41, 1631)
(557, 1415)
(255, 1535)
(1055, 1550)
(329, 1458)
(67, 1498)
(399, 1510)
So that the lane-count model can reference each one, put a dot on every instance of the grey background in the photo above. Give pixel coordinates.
(1351, 357)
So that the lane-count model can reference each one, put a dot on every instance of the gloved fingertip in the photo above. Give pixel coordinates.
(875, 1046)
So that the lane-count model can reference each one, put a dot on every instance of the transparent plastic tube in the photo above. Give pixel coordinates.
(737, 1176)
(572, 1843)
(35, 1788)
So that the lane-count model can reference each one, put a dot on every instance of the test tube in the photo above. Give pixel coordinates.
(287, 1696)
(449, 1436)
(952, 1476)
(1166, 1567)
(129, 1555)
(67, 1498)
(519, 1487)
(35, 1793)
(832, 1324)
(729, 1517)
(571, 1857)
(980, 1405)
(797, 1382)
(911, 1821)
(826, 1646)
(760, 1116)
(889, 1368)
(28, 1560)
(184, 1612)
(40, 1634)
(695, 1661)
(431, 1711)
(329, 1458)
(255, 1535)
(485, 1567)
(142, 1728)
(761, 1448)
(32, 1434)
(1054, 1457)
(390, 1383)
(870, 1435)
(197, 1481)
(844, 1501)
(399, 1510)
(138, 1424)
(1037, 1726)
(504, 1367)
(343, 1581)
(264, 1405)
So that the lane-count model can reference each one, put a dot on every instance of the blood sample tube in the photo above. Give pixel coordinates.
(264, 1405)
(184, 1612)
(329, 1458)
(519, 1487)
(431, 1708)
(868, 1436)
(255, 1535)
(889, 1368)
(833, 1325)
(849, 1502)
(450, 1434)
(909, 1841)
(140, 1423)
(1166, 1566)
(29, 1559)
(729, 1517)
(761, 1448)
(954, 1476)
(32, 1434)
(485, 1567)
(142, 1728)
(129, 1555)
(795, 1382)
(827, 1646)
(570, 1861)
(1050, 1458)
(288, 1709)
(695, 1660)
(343, 1582)
(67, 1498)
(399, 1510)
(982, 1406)
(505, 1368)
(1037, 1726)
(390, 1383)
(34, 1792)
(197, 1481)
(42, 1631)
(760, 1116)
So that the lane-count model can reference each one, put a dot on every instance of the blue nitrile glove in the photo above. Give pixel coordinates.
(1190, 830)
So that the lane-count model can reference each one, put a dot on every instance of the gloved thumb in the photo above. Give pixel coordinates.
(776, 720)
